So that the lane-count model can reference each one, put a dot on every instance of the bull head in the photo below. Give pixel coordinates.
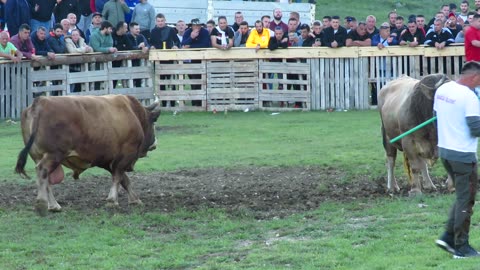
(430, 83)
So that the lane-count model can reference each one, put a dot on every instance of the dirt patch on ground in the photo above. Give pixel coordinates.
(261, 191)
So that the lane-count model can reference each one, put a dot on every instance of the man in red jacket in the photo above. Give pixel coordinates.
(472, 40)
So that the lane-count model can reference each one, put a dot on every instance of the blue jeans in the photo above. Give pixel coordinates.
(34, 24)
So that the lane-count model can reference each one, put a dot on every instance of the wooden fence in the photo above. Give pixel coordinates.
(238, 79)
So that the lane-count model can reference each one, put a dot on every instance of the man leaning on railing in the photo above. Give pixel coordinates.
(8, 50)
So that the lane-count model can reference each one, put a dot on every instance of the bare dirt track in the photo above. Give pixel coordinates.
(262, 191)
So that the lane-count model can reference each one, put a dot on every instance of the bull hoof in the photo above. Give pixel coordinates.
(136, 202)
(55, 209)
(41, 208)
(112, 204)
(414, 193)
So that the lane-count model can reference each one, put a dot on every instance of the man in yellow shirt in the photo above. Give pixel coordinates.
(259, 37)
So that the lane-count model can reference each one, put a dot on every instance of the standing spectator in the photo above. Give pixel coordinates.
(41, 12)
(56, 42)
(420, 19)
(94, 26)
(438, 37)
(238, 20)
(144, 15)
(138, 41)
(196, 37)
(23, 42)
(464, 9)
(63, 8)
(296, 16)
(392, 18)
(317, 33)
(277, 21)
(359, 36)
(210, 25)
(460, 38)
(327, 21)
(85, 11)
(458, 125)
(8, 50)
(101, 40)
(453, 25)
(17, 12)
(445, 10)
(120, 39)
(477, 4)
(293, 37)
(241, 36)
(335, 35)
(39, 41)
(266, 24)
(72, 25)
(399, 27)
(114, 11)
(222, 35)
(163, 36)
(472, 40)
(371, 29)
(2, 15)
(180, 27)
(76, 44)
(259, 37)
(413, 37)
(99, 5)
(383, 38)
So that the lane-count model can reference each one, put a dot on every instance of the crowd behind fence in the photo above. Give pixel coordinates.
(239, 79)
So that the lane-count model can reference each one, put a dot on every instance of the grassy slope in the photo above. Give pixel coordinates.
(361, 9)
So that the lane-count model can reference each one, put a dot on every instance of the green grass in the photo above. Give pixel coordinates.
(379, 8)
(388, 233)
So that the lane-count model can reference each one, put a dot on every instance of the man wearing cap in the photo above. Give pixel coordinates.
(383, 38)
(94, 26)
(196, 37)
(472, 40)
(438, 37)
(452, 24)
(350, 23)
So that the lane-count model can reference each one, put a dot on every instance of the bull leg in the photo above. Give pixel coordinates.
(390, 175)
(112, 198)
(132, 196)
(44, 167)
(52, 202)
(427, 181)
(416, 165)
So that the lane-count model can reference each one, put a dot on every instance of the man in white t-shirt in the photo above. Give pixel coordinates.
(458, 124)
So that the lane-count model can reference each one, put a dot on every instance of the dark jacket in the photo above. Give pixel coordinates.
(84, 8)
(409, 37)
(329, 36)
(17, 12)
(274, 44)
(444, 35)
(44, 12)
(41, 46)
(57, 44)
(99, 5)
(135, 41)
(122, 43)
(202, 41)
(165, 34)
(66, 6)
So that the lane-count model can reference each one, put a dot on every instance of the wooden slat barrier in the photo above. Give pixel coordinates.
(237, 79)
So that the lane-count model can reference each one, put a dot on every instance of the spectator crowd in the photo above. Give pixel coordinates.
(50, 27)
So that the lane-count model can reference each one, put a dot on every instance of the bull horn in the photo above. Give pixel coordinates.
(152, 106)
(441, 81)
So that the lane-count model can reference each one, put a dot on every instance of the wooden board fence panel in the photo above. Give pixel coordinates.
(232, 84)
(14, 91)
(181, 85)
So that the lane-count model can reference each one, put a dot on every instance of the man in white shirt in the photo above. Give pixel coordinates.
(458, 124)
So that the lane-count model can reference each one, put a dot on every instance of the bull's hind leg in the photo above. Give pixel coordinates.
(112, 199)
(132, 196)
(45, 167)
(391, 157)
(52, 202)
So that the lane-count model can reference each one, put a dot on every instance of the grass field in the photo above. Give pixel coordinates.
(383, 233)
(380, 9)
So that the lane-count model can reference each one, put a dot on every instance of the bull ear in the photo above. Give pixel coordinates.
(154, 116)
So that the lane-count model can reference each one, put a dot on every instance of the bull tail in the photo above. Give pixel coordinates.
(22, 157)
(407, 168)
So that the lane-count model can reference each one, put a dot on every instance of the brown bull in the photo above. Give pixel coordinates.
(79, 132)
(403, 104)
